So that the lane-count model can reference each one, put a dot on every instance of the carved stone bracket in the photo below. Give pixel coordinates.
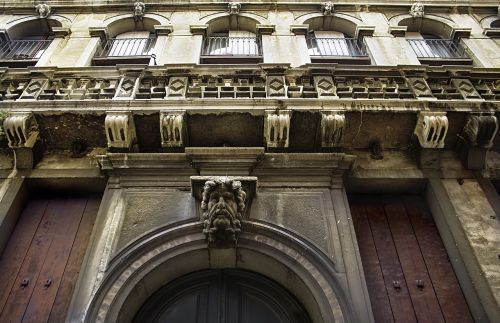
(172, 128)
(277, 128)
(480, 130)
(120, 130)
(476, 138)
(332, 128)
(417, 10)
(431, 129)
(21, 130)
(223, 204)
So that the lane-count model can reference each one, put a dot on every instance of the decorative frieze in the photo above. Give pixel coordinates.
(126, 88)
(419, 87)
(480, 130)
(252, 86)
(120, 130)
(21, 130)
(332, 128)
(466, 89)
(33, 89)
(431, 129)
(277, 128)
(172, 128)
(276, 86)
(177, 86)
(325, 87)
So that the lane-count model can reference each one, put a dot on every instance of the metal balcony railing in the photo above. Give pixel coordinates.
(23, 49)
(127, 47)
(437, 49)
(231, 46)
(340, 47)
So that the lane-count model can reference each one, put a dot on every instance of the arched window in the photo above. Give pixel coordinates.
(432, 42)
(23, 44)
(232, 40)
(330, 40)
(128, 42)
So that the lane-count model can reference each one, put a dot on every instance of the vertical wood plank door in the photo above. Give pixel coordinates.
(408, 273)
(40, 264)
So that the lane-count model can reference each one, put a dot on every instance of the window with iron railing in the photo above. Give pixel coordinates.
(433, 50)
(24, 51)
(130, 47)
(239, 46)
(326, 46)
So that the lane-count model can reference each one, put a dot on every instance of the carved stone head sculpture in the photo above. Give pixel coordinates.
(234, 8)
(42, 10)
(223, 203)
(327, 8)
(417, 10)
(139, 10)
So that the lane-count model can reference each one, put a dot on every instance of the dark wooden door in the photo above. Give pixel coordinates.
(222, 296)
(407, 270)
(41, 261)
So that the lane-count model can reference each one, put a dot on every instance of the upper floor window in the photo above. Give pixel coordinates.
(335, 47)
(232, 46)
(433, 50)
(24, 44)
(133, 47)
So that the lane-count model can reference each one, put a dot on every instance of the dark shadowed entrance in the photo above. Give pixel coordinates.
(220, 296)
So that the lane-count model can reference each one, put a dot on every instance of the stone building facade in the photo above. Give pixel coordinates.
(237, 137)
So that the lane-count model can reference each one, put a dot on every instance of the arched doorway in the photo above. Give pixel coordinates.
(222, 295)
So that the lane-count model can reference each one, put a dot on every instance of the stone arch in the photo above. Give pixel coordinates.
(125, 22)
(336, 22)
(490, 22)
(429, 24)
(162, 256)
(29, 26)
(224, 21)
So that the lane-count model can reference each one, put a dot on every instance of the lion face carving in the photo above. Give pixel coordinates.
(222, 205)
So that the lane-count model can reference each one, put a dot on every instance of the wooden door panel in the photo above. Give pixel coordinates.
(17, 247)
(398, 234)
(445, 285)
(45, 250)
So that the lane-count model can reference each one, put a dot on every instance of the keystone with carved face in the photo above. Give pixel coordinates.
(222, 205)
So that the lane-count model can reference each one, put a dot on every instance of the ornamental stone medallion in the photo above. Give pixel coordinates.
(223, 203)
